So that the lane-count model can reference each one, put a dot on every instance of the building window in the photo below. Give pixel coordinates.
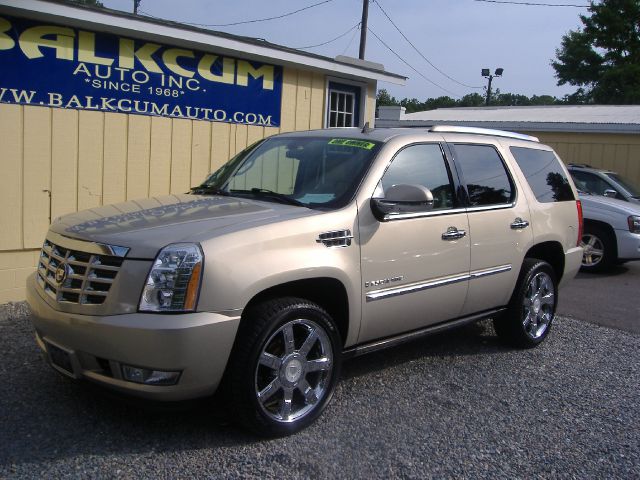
(343, 106)
(341, 109)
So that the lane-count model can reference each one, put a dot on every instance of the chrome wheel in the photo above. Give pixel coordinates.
(294, 370)
(539, 305)
(593, 250)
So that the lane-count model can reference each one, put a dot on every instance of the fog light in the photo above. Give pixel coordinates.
(149, 377)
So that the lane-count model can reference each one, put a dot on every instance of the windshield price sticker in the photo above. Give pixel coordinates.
(347, 142)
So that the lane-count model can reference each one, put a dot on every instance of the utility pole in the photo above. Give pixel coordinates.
(136, 4)
(489, 90)
(486, 73)
(363, 28)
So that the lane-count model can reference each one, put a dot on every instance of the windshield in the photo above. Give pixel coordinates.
(314, 172)
(633, 190)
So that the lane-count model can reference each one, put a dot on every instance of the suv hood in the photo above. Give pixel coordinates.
(605, 204)
(149, 224)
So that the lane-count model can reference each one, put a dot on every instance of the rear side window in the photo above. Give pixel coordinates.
(545, 175)
(484, 174)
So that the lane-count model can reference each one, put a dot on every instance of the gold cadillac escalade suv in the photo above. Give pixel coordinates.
(302, 250)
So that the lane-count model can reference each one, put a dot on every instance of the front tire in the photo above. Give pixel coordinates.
(284, 367)
(532, 307)
(598, 246)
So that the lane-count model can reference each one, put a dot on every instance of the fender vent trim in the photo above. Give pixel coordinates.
(335, 238)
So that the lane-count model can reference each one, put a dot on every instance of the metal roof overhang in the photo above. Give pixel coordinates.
(551, 127)
(172, 33)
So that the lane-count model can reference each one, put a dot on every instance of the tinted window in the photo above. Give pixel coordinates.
(626, 183)
(590, 183)
(484, 173)
(422, 165)
(545, 175)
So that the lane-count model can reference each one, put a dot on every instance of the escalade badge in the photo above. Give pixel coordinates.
(61, 273)
(384, 281)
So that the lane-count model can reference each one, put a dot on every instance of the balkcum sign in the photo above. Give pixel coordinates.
(58, 66)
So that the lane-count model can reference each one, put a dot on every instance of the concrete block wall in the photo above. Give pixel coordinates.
(15, 267)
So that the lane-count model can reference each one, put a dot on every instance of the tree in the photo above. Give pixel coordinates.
(384, 99)
(413, 105)
(471, 100)
(476, 100)
(440, 102)
(603, 58)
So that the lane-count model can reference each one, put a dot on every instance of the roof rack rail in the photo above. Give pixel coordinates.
(584, 165)
(482, 131)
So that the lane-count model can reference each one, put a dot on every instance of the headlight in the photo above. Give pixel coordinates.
(634, 223)
(174, 280)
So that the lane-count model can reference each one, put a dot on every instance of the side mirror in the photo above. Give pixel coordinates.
(609, 193)
(402, 199)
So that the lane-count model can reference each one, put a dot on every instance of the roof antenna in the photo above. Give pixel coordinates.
(366, 128)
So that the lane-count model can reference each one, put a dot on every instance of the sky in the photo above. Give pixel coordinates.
(459, 37)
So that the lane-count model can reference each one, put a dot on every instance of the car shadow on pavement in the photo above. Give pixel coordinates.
(472, 339)
(49, 417)
(46, 416)
(613, 271)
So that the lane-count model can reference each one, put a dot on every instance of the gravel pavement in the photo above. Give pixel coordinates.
(456, 405)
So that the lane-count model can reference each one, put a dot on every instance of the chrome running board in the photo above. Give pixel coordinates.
(389, 342)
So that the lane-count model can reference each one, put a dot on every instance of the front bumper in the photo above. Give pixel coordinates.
(196, 344)
(628, 245)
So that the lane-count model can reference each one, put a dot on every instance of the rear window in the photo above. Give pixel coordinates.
(544, 173)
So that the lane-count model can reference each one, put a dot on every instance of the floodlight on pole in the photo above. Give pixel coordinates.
(486, 73)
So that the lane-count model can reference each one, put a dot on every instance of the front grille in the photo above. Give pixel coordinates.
(83, 278)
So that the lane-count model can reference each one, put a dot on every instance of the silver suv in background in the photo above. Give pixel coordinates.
(304, 249)
(611, 208)
(611, 232)
(604, 182)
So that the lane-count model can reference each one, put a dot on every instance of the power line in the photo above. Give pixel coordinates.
(411, 66)
(419, 52)
(534, 4)
(332, 40)
(288, 14)
(351, 41)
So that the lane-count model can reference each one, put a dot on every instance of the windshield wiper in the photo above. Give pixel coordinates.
(280, 197)
(208, 190)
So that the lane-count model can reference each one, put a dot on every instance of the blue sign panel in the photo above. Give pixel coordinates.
(57, 66)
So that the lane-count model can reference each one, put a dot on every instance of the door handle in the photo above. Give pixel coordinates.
(453, 233)
(519, 224)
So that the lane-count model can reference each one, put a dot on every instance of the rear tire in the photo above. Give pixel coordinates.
(284, 366)
(531, 310)
(599, 251)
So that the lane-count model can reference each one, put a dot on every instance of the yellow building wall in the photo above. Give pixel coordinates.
(617, 152)
(84, 159)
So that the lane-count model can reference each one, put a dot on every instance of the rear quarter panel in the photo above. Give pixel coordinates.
(553, 221)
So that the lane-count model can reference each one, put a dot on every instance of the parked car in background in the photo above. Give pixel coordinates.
(604, 182)
(611, 231)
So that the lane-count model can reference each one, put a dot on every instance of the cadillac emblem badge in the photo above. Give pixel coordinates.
(61, 273)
